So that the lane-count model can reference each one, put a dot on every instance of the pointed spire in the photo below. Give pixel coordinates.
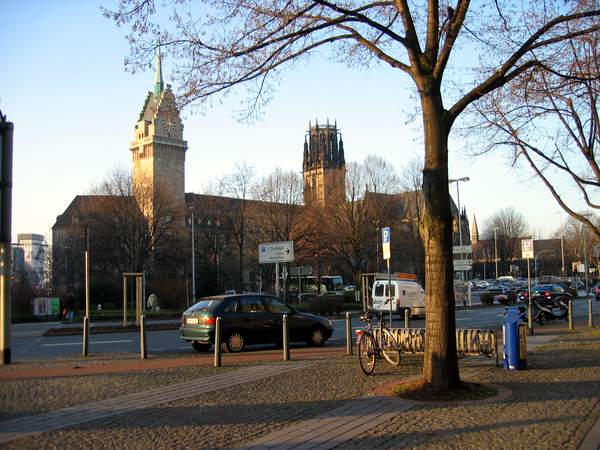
(158, 82)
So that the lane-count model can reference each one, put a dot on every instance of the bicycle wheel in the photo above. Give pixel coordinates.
(390, 348)
(366, 353)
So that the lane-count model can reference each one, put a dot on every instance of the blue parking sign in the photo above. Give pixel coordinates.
(386, 238)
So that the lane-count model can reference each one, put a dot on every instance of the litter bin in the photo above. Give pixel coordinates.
(515, 340)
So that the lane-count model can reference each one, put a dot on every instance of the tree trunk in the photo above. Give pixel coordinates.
(440, 365)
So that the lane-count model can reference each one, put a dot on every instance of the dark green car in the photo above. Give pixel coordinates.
(249, 319)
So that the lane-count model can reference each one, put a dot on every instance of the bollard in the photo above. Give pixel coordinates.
(407, 318)
(143, 348)
(286, 347)
(86, 336)
(217, 361)
(590, 318)
(570, 314)
(348, 335)
(530, 318)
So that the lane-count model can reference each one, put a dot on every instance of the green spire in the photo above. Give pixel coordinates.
(158, 82)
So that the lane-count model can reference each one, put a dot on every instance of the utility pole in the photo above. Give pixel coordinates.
(495, 229)
(193, 261)
(6, 159)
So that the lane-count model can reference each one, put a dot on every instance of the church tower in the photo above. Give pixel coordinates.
(324, 166)
(158, 154)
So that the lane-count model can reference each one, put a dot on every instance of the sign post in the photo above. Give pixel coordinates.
(276, 252)
(527, 253)
(386, 239)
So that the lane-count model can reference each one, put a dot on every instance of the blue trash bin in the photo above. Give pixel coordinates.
(515, 335)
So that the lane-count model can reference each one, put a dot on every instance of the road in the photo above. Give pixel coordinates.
(28, 341)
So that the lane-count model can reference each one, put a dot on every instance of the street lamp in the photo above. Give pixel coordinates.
(457, 181)
(495, 230)
(193, 260)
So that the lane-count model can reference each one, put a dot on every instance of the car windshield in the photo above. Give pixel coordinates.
(205, 305)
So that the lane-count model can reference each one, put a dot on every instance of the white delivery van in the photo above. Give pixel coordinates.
(405, 294)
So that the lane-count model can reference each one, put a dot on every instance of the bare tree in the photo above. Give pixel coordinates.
(549, 119)
(238, 186)
(511, 228)
(251, 42)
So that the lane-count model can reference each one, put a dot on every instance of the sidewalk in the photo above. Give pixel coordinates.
(316, 401)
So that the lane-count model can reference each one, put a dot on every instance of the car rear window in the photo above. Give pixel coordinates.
(206, 305)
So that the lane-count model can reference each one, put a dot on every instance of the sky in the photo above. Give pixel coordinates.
(74, 107)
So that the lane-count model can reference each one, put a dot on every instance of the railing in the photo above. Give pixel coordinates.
(469, 341)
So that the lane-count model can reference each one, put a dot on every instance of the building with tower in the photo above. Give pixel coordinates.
(324, 165)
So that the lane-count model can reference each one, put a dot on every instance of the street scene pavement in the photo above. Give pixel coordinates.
(319, 399)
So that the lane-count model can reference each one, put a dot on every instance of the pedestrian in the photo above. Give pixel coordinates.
(70, 307)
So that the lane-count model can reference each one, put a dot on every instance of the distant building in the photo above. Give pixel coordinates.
(35, 256)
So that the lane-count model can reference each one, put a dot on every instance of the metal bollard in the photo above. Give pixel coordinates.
(348, 335)
(407, 318)
(86, 336)
(570, 314)
(530, 318)
(217, 360)
(590, 318)
(143, 348)
(286, 347)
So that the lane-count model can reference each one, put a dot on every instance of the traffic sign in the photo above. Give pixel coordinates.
(386, 238)
(462, 267)
(296, 271)
(276, 252)
(463, 261)
(527, 248)
(462, 249)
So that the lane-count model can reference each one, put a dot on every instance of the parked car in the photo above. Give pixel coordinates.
(546, 292)
(249, 319)
(571, 288)
(596, 291)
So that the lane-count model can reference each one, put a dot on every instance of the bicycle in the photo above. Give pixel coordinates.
(370, 348)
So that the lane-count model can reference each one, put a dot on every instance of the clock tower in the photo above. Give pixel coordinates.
(158, 155)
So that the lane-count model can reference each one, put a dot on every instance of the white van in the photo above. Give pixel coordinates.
(405, 294)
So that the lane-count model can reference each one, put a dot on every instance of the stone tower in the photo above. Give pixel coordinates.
(158, 155)
(324, 166)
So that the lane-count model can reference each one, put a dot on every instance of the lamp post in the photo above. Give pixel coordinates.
(562, 245)
(585, 265)
(193, 260)
(460, 241)
(495, 230)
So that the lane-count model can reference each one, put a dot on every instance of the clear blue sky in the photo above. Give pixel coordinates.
(63, 84)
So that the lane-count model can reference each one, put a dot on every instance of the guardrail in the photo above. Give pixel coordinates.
(469, 341)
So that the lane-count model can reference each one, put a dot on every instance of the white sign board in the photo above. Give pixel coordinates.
(581, 268)
(463, 265)
(527, 248)
(386, 239)
(276, 252)
(462, 249)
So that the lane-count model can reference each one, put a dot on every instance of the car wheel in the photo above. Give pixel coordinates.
(317, 337)
(199, 347)
(235, 343)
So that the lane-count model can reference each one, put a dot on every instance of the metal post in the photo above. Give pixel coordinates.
(86, 336)
(277, 279)
(87, 271)
(585, 263)
(570, 314)
(348, 334)
(407, 318)
(389, 290)
(124, 301)
(6, 175)
(529, 305)
(286, 347)
(143, 349)
(217, 360)
(193, 261)
(495, 230)
(590, 318)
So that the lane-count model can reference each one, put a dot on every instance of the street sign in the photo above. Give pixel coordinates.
(581, 268)
(386, 239)
(527, 248)
(462, 267)
(300, 271)
(463, 261)
(276, 252)
(462, 249)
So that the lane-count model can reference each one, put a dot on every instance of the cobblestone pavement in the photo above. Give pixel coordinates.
(229, 416)
(553, 405)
